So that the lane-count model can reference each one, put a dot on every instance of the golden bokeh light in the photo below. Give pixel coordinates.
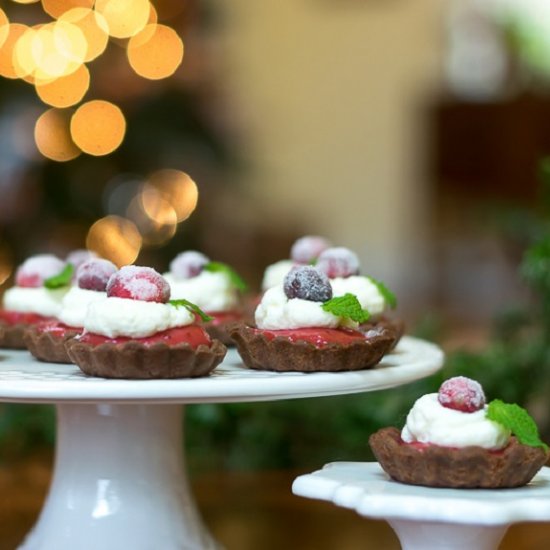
(56, 8)
(6, 265)
(66, 90)
(53, 138)
(23, 60)
(124, 17)
(153, 15)
(116, 239)
(94, 28)
(178, 189)
(7, 66)
(4, 27)
(153, 215)
(98, 127)
(155, 52)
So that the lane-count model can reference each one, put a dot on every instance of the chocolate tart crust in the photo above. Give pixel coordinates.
(46, 347)
(134, 360)
(13, 336)
(279, 354)
(395, 326)
(220, 332)
(468, 467)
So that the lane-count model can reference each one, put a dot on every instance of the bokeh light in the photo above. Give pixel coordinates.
(6, 265)
(94, 28)
(116, 239)
(155, 52)
(4, 28)
(66, 90)
(124, 17)
(52, 136)
(98, 127)
(56, 8)
(153, 215)
(178, 189)
(7, 67)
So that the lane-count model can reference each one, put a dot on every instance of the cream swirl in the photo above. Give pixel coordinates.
(275, 274)
(277, 312)
(115, 317)
(75, 305)
(211, 291)
(430, 422)
(39, 300)
(363, 288)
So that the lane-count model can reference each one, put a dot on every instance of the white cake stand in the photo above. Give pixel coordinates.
(427, 518)
(119, 475)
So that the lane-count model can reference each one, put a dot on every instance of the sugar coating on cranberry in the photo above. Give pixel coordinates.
(307, 249)
(307, 283)
(94, 274)
(338, 262)
(138, 283)
(35, 270)
(461, 394)
(188, 264)
(79, 256)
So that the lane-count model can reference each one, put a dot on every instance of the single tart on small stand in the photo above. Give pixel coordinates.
(301, 327)
(35, 297)
(453, 439)
(342, 266)
(214, 287)
(46, 340)
(136, 334)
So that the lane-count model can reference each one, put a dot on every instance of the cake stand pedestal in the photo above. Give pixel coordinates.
(426, 518)
(119, 476)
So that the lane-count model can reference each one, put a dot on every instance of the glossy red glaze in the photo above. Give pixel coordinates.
(319, 337)
(16, 317)
(55, 328)
(421, 447)
(191, 334)
(222, 317)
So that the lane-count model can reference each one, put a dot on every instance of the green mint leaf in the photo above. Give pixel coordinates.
(234, 277)
(387, 294)
(192, 308)
(517, 420)
(61, 279)
(348, 307)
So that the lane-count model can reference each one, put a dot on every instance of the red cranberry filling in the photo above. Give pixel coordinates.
(222, 317)
(191, 334)
(55, 328)
(421, 447)
(17, 317)
(319, 337)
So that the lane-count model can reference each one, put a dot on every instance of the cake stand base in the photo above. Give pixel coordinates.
(119, 482)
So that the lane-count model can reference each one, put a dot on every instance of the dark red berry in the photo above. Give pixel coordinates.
(307, 249)
(461, 394)
(308, 283)
(188, 264)
(94, 274)
(35, 270)
(338, 262)
(138, 283)
(79, 256)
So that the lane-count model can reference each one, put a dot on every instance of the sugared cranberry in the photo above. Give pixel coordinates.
(188, 264)
(338, 262)
(79, 256)
(308, 283)
(461, 394)
(138, 283)
(94, 274)
(35, 270)
(307, 249)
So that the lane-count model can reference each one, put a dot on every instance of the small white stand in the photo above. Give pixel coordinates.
(119, 475)
(427, 518)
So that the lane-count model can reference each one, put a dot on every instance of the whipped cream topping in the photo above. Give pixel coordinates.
(115, 317)
(39, 300)
(211, 291)
(74, 306)
(430, 422)
(366, 291)
(277, 312)
(275, 274)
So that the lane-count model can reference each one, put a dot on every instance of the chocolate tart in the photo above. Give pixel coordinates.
(12, 336)
(48, 347)
(135, 360)
(394, 326)
(280, 354)
(467, 467)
